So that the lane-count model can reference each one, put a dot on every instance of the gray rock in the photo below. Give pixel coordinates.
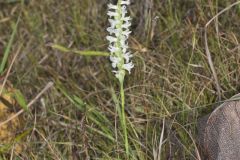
(219, 132)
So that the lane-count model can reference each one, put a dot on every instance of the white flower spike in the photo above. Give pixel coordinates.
(118, 35)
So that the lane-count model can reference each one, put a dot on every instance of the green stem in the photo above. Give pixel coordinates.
(124, 125)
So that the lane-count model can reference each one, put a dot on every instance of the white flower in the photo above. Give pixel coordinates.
(113, 49)
(115, 61)
(126, 19)
(126, 25)
(118, 36)
(113, 31)
(113, 22)
(126, 33)
(127, 56)
(124, 11)
(128, 66)
(111, 39)
(125, 2)
(111, 6)
(112, 14)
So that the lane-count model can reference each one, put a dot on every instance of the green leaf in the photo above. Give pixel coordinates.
(21, 100)
(60, 48)
(82, 53)
(91, 53)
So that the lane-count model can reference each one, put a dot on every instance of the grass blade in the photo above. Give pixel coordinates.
(92, 113)
(9, 45)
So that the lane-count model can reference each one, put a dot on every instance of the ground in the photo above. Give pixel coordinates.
(170, 87)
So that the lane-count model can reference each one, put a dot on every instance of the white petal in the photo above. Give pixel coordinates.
(115, 61)
(111, 39)
(125, 2)
(113, 31)
(128, 66)
(113, 22)
(126, 25)
(113, 49)
(126, 33)
(124, 9)
(124, 49)
(123, 42)
(112, 14)
(127, 56)
(126, 19)
(111, 6)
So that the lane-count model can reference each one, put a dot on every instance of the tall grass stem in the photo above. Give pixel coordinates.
(123, 119)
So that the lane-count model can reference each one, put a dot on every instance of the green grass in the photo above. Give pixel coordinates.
(172, 84)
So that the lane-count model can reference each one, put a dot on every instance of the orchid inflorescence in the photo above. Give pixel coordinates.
(119, 33)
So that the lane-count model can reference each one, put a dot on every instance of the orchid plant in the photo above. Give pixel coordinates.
(119, 54)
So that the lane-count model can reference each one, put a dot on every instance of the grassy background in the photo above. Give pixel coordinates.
(171, 84)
